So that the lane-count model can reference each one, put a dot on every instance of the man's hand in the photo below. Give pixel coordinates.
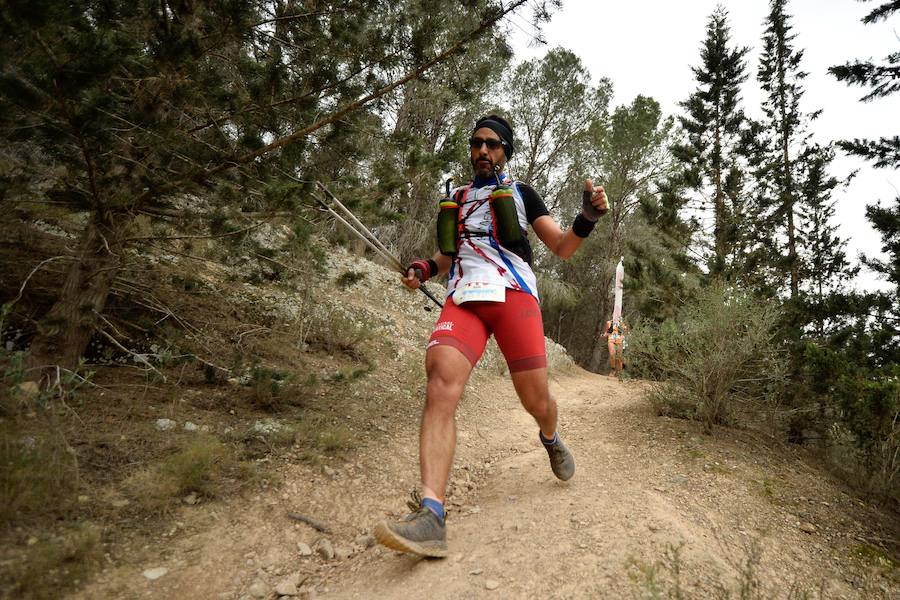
(419, 272)
(593, 201)
(411, 280)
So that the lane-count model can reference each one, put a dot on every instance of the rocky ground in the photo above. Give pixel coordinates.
(656, 508)
(652, 497)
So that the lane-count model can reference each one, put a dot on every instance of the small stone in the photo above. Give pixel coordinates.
(304, 549)
(190, 499)
(155, 573)
(120, 503)
(287, 587)
(188, 426)
(165, 424)
(342, 552)
(491, 584)
(325, 549)
(258, 589)
(32, 541)
(82, 499)
(807, 527)
(365, 540)
(328, 471)
(679, 479)
(476, 571)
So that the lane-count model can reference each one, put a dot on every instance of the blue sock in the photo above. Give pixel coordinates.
(552, 441)
(434, 506)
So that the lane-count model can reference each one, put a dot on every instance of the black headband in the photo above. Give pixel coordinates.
(500, 129)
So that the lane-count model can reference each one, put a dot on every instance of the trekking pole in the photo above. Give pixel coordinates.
(370, 240)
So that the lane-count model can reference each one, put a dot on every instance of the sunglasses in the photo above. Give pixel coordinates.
(492, 144)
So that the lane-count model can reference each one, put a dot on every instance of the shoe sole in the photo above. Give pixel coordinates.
(388, 538)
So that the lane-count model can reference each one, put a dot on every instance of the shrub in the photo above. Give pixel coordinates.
(317, 436)
(201, 466)
(714, 360)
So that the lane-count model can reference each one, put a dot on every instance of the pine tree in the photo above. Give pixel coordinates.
(824, 269)
(713, 123)
(784, 137)
(883, 80)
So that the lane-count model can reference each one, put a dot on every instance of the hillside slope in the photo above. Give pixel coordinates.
(734, 507)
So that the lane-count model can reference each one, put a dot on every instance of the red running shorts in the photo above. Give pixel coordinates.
(516, 325)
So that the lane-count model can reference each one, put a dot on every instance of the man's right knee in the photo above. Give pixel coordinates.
(448, 370)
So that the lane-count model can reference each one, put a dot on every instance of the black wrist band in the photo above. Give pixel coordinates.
(582, 226)
(433, 266)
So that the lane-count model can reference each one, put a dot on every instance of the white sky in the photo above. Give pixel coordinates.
(649, 46)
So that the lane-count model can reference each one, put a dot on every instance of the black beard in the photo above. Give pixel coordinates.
(476, 167)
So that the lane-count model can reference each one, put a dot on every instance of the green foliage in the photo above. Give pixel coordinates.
(861, 410)
(554, 120)
(713, 124)
(882, 80)
(716, 359)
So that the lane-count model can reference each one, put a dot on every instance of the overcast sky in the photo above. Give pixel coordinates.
(649, 46)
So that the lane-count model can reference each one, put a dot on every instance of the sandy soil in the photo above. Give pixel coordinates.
(734, 504)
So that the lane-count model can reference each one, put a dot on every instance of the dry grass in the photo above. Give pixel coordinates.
(38, 472)
(203, 466)
(52, 565)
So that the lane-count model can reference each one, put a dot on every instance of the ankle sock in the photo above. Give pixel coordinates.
(552, 441)
(434, 506)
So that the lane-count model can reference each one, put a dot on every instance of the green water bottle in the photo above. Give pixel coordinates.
(448, 223)
(506, 219)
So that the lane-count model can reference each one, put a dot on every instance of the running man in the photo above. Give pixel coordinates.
(491, 290)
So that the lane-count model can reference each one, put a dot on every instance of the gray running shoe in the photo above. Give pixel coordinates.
(421, 532)
(561, 460)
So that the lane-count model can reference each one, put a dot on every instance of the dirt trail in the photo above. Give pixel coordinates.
(643, 484)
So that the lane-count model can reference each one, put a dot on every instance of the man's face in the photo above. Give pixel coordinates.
(483, 157)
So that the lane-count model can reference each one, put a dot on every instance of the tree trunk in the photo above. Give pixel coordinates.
(64, 332)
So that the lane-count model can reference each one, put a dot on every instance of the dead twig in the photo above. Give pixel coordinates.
(309, 521)
(138, 357)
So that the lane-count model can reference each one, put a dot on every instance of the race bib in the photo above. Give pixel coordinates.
(481, 292)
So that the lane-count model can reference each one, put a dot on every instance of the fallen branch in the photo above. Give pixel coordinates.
(138, 357)
(309, 521)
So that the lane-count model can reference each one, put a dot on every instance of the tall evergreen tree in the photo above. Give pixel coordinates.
(713, 123)
(882, 80)
(784, 131)
(824, 269)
